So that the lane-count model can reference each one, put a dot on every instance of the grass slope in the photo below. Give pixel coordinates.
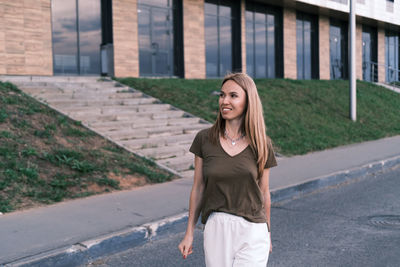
(46, 157)
(301, 115)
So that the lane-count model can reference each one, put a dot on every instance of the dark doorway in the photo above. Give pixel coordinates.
(392, 56)
(338, 49)
(264, 52)
(160, 38)
(222, 37)
(307, 46)
(369, 54)
(155, 40)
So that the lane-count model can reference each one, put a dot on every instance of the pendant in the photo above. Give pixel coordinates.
(233, 143)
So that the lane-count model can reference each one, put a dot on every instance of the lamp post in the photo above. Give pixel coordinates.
(352, 61)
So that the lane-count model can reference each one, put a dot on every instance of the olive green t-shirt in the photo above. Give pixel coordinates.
(231, 182)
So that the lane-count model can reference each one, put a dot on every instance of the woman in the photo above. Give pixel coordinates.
(231, 180)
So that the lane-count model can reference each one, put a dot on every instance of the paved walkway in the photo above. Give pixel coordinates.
(35, 231)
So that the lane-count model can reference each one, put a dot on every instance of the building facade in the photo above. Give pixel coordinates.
(201, 39)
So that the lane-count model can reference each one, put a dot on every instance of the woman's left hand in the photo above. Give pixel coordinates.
(270, 243)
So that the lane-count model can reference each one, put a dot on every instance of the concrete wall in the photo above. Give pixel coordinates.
(324, 57)
(289, 44)
(126, 45)
(25, 37)
(194, 39)
(381, 55)
(381, 10)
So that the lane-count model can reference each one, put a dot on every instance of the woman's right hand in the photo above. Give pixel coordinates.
(186, 246)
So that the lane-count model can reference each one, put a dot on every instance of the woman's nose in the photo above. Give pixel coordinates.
(225, 100)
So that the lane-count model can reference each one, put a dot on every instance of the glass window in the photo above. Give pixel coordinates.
(299, 49)
(218, 37)
(65, 39)
(76, 34)
(250, 43)
(210, 9)
(260, 48)
(306, 49)
(392, 56)
(261, 35)
(155, 32)
(212, 49)
(225, 45)
(271, 46)
(225, 11)
(369, 53)
(89, 36)
(145, 54)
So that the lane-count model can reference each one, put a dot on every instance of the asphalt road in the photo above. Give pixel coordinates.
(356, 224)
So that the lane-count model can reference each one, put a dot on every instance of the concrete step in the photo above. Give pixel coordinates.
(109, 102)
(34, 84)
(89, 119)
(155, 123)
(181, 163)
(95, 96)
(122, 135)
(53, 90)
(164, 152)
(137, 144)
(110, 125)
(174, 129)
(168, 114)
(121, 109)
(41, 90)
(51, 79)
(50, 96)
(57, 78)
(126, 95)
(79, 85)
(157, 131)
(143, 122)
(65, 85)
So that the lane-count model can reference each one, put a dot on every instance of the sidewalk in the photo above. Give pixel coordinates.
(26, 236)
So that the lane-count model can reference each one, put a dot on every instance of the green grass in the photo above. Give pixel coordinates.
(301, 116)
(45, 157)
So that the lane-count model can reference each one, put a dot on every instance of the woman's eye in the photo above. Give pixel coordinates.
(221, 94)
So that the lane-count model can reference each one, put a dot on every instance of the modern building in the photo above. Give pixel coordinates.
(304, 39)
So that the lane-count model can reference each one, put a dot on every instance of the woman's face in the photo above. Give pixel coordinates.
(232, 100)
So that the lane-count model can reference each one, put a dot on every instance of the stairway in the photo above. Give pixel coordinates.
(140, 123)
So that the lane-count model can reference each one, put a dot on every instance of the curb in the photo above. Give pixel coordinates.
(87, 251)
(333, 179)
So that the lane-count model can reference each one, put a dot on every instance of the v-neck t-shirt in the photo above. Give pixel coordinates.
(231, 182)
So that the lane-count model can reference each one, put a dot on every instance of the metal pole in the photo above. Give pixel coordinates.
(352, 63)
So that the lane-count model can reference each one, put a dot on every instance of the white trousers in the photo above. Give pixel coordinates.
(231, 240)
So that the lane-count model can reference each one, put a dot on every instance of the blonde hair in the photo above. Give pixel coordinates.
(253, 125)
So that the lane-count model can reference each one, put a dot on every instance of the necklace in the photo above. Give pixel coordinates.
(233, 141)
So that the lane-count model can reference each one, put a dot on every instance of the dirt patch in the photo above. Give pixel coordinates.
(129, 181)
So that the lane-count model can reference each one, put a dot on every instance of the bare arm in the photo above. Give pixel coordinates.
(264, 186)
(196, 197)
